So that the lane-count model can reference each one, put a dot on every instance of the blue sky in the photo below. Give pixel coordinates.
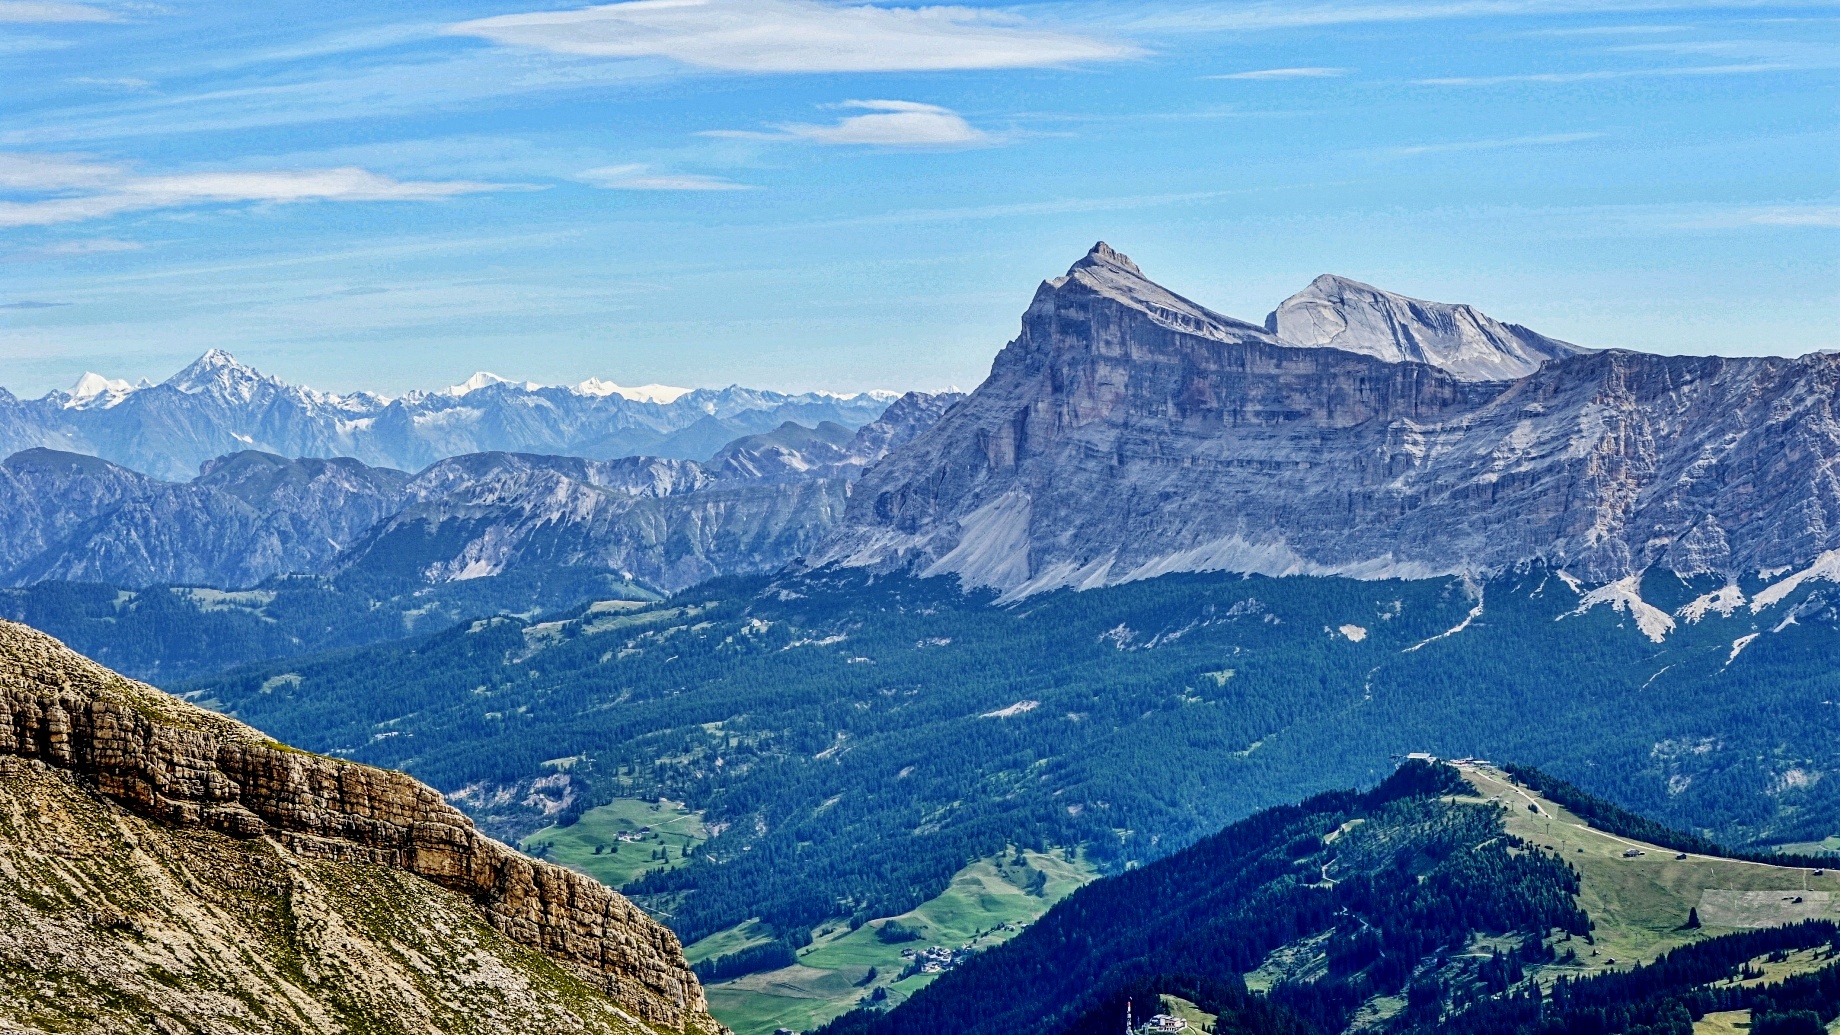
(804, 194)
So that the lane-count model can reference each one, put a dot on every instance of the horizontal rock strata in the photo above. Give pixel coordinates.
(181, 765)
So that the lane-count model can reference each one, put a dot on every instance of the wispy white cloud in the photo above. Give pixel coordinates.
(91, 246)
(118, 83)
(797, 36)
(1736, 217)
(1284, 73)
(44, 11)
(639, 177)
(1594, 75)
(1610, 30)
(888, 124)
(84, 190)
(1544, 140)
(1273, 14)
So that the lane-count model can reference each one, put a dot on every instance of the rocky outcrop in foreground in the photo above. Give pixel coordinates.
(212, 874)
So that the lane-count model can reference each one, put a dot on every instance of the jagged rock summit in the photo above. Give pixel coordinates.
(1127, 432)
(1338, 313)
(164, 868)
(1111, 274)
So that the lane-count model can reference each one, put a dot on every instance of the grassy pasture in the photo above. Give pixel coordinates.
(672, 829)
(1640, 903)
(986, 904)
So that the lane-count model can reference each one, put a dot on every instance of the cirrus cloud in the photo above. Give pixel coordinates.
(1284, 73)
(888, 124)
(796, 36)
(639, 177)
(80, 190)
(35, 11)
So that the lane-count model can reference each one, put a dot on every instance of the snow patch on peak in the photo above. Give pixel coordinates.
(1825, 568)
(1724, 601)
(652, 393)
(92, 389)
(1624, 595)
(484, 379)
(219, 372)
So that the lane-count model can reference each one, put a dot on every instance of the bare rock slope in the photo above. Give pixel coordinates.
(164, 868)
(1128, 432)
(1339, 313)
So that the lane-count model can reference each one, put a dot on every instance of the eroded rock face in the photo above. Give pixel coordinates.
(187, 768)
(1128, 432)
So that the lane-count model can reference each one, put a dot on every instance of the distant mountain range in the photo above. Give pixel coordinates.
(761, 501)
(1128, 432)
(1125, 433)
(218, 406)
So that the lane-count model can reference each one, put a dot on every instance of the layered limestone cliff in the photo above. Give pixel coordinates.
(164, 868)
(1128, 432)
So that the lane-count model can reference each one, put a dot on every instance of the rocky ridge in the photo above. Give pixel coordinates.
(217, 406)
(544, 942)
(757, 504)
(1128, 432)
(248, 516)
(1338, 313)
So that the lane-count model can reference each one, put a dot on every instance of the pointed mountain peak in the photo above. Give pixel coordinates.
(1103, 254)
(1341, 313)
(216, 368)
(1110, 273)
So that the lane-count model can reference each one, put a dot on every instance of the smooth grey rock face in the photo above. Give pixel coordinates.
(218, 406)
(1338, 313)
(1127, 432)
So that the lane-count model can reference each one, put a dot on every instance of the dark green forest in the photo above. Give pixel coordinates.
(855, 739)
(1395, 876)
(166, 633)
(1394, 885)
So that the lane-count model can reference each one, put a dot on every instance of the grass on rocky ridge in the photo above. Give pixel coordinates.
(1639, 904)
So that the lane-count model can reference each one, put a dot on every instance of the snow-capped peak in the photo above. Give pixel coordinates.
(92, 389)
(484, 379)
(876, 394)
(1339, 313)
(218, 371)
(653, 393)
